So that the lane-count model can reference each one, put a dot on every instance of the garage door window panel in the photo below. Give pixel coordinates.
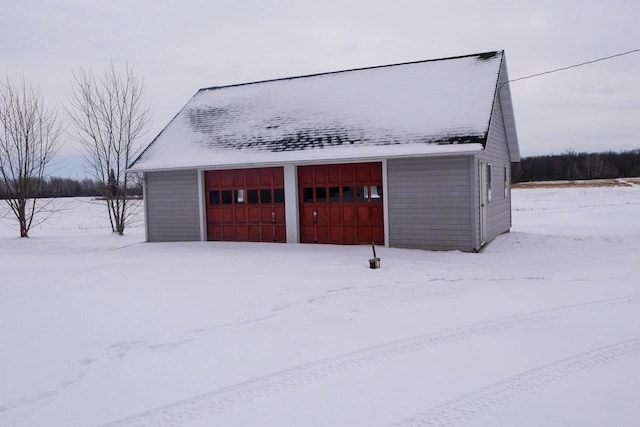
(321, 194)
(265, 195)
(227, 197)
(334, 194)
(375, 192)
(307, 195)
(214, 197)
(347, 194)
(252, 196)
(361, 194)
(278, 195)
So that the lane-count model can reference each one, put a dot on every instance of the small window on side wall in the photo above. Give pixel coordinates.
(506, 182)
(489, 185)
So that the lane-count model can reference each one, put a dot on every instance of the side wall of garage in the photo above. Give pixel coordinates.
(172, 205)
(430, 203)
(497, 156)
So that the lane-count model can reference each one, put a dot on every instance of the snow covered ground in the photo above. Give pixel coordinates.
(542, 328)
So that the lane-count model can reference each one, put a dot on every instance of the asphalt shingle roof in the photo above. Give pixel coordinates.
(429, 106)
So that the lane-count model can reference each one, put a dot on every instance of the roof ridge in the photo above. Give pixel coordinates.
(481, 55)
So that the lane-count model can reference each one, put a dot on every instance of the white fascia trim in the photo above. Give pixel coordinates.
(385, 201)
(476, 149)
(291, 203)
(202, 207)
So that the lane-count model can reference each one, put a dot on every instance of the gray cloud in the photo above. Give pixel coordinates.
(179, 47)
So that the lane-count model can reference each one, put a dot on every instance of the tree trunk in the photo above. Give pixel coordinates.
(22, 218)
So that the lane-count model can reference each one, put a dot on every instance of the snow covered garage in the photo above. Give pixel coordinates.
(413, 155)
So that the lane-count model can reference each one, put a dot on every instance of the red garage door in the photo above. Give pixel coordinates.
(341, 203)
(245, 205)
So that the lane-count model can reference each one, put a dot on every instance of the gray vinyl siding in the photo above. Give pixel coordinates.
(497, 154)
(430, 203)
(172, 206)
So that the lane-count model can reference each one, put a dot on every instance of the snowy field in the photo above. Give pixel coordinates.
(540, 329)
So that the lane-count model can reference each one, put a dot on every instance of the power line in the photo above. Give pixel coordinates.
(573, 66)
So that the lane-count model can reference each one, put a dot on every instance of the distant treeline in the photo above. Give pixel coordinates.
(69, 187)
(575, 166)
(567, 166)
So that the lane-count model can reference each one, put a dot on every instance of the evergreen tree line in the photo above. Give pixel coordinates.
(69, 187)
(576, 166)
(566, 166)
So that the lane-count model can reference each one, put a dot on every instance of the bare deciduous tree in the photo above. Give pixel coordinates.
(29, 139)
(109, 117)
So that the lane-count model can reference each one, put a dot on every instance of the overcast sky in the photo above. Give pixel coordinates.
(181, 46)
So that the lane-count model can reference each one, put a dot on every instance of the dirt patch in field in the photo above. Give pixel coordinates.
(616, 182)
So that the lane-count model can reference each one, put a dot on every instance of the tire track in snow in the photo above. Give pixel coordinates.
(182, 412)
(465, 408)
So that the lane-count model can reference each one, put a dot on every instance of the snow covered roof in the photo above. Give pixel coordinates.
(426, 107)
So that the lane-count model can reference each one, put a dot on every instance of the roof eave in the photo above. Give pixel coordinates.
(461, 150)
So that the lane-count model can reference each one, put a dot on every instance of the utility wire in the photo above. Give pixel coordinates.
(572, 66)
